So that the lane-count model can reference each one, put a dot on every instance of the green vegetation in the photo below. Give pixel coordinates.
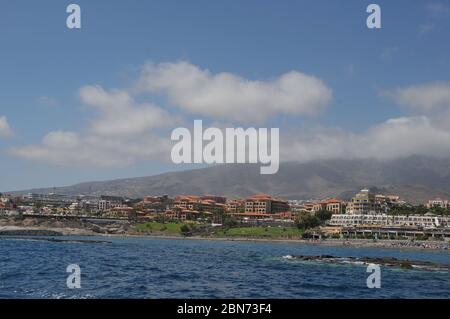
(173, 228)
(422, 237)
(185, 230)
(155, 227)
(229, 222)
(323, 215)
(418, 210)
(308, 220)
(260, 232)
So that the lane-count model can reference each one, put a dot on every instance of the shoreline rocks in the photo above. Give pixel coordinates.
(382, 261)
(30, 232)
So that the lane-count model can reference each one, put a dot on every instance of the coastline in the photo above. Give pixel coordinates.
(14, 231)
(352, 243)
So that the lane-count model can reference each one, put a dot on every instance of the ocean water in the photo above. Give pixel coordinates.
(163, 268)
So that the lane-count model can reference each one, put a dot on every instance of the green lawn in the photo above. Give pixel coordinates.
(172, 228)
(154, 227)
(261, 232)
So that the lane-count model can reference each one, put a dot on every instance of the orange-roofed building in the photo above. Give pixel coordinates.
(286, 215)
(332, 205)
(265, 204)
(197, 203)
(216, 199)
(235, 206)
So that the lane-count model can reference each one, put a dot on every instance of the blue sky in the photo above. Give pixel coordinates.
(374, 75)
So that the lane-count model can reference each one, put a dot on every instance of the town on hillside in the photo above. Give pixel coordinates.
(366, 215)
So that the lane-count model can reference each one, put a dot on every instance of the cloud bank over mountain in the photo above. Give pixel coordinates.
(129, 127)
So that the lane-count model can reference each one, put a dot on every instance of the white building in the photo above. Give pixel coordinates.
(437, 202)
(425, 221)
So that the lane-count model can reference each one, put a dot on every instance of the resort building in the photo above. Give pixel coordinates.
(104, 204)
(307, 207)
(109, 202)
(186, 200)
(201, 204)
(437, 202)
(363, 203)
(155, 203)
(265, 204)
(214, 198)
(122, 211)
(332, 205)
(335, 206)
(49, 199)
(152, 200)
(388, 199)
(383, 220)
(235, 206)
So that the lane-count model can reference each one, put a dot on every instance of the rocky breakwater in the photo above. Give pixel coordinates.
(382, 261)
(63, 226)
(29, 232)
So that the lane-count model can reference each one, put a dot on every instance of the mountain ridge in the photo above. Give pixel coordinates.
(416, 179)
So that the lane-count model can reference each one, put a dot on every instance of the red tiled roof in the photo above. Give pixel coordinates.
(331, 201)
(187, 197)
(261, 196)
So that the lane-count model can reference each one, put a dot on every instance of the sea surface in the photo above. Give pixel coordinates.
(166, 268)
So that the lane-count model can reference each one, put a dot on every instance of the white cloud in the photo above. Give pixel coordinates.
(125, 131)
(407, 136)
(70, 149)
(121, 133)
(120, 115)
(227, 96)
(427, 132)
(5, 129)
(391, 139)
(423, 98)
(61, 139)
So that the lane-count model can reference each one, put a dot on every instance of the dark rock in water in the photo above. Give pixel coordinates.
(382, 261)
(29, 232)
(57, 240)
(76, 241)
